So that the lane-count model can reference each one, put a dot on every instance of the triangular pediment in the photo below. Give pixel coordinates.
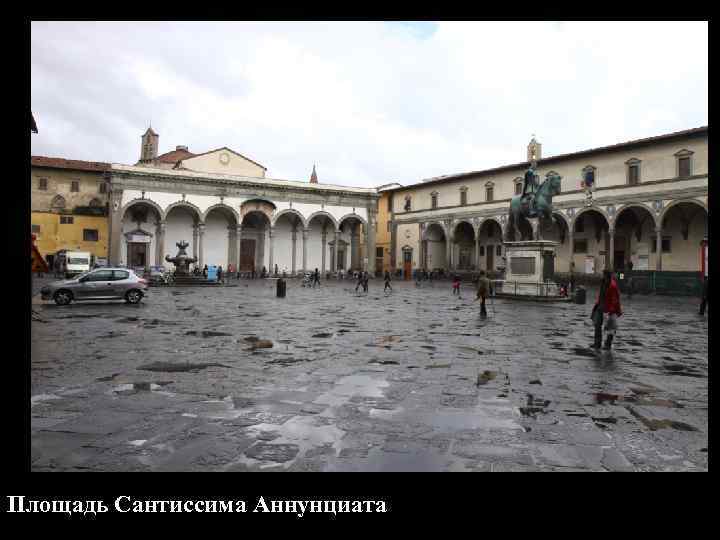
(223, 160)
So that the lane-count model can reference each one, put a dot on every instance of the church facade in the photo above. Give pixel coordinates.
(223, 204)
(648, 206)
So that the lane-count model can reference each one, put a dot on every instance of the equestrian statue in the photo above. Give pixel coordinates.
(535, 201)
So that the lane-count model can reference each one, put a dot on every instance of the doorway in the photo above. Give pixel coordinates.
(137, 254)
(407, 264)
(490, 266)
(247, 255)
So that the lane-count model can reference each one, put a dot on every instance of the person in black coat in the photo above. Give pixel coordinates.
(704, 302)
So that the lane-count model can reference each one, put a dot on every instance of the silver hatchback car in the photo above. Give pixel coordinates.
(99, 284)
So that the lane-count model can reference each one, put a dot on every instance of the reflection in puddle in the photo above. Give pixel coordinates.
(350, 386)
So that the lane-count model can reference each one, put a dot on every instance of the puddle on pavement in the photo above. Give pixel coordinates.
(350, 386)
(34, 400)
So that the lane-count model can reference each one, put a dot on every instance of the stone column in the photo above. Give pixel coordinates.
(324, 249)
(477, 250)
(448, 252)
(370, 242)
(271, 270)
(115, 211)
(294, 249)
(611, 249)
(571, 252)
(354, 247)
(238, 242)
(231, 247)
(201, 247)
(162, 226)
(333, 257)
(658, 249)
(196, 228)
(305, 234)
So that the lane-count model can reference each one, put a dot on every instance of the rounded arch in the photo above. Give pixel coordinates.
(58, 201)
(148, 202)
(676, 202)
(223, 206)
(324, 214)
(290, 211)
(469, 227)
(490, 220)
(591, 209)
(349, 216)
(431, 224)
(640, 206)
(185, 204)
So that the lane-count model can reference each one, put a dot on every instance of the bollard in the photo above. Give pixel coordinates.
(580, 295)
(281, 287)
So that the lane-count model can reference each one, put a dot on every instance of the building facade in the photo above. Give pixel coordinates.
(69, 204)
(230, 213)
(649, 206)
(384, 240)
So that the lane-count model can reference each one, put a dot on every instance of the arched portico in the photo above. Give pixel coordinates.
(591, 241)
(489, 245)
(434, 247)
(634, 232)
(142, 238)
(345, 248)
(321, 229)
(464, 245)
(679, 244)
(220, 242)
(256, 242)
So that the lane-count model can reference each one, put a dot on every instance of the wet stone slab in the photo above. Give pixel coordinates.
(234, 378)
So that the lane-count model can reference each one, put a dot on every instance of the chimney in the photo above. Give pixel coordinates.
(181, 147)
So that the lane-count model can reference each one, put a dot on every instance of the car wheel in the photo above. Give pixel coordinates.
(133, 296)
(63, 297)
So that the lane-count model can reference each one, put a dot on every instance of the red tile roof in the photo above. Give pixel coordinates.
(174, 156)
(73, 164)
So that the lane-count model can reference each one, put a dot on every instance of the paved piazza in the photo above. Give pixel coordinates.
(410, 381)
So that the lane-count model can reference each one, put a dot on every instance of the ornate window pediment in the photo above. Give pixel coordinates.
(684, 153)
(58, 202)
(684, 160)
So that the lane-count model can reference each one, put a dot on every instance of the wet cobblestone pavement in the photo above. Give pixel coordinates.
(414, 380)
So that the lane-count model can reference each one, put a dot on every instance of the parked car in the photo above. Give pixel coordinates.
(100, 284)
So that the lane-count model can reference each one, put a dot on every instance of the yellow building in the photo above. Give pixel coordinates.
(69, 206)
(384, 237)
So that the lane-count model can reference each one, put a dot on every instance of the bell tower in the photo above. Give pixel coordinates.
(149, 146)
(534, 151)
(313, 176)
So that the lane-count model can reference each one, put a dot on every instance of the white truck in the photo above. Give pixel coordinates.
(75, 262)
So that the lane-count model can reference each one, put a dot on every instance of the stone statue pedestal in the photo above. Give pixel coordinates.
(530, 271)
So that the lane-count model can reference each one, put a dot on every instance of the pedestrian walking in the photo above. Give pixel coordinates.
(316, 278)
(205, 271)
(631, 280)
(360, 281)
(607, 309)
(456, 285)
(366, 279)
(704, 302)
(387, 282)
(482, 292)
(220, 274)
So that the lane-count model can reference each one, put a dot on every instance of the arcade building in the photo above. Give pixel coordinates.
(648, 206)
(232, 214)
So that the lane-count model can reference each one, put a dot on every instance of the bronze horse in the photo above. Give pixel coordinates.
(536, 205)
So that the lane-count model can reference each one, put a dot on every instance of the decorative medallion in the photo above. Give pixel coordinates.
(183, 197)
(611, 210)
(657, 205)
(142, 195)
(408, 234)
(224, 158)
(571, 212)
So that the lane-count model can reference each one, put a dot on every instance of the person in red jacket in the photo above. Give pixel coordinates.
(607, 308)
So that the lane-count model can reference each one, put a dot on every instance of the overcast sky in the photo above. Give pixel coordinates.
(368, 102)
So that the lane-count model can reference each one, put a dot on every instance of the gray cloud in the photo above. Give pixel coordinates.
(368, 102)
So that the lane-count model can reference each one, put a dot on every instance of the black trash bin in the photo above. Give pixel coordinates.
(281, 288)
(580, 295)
